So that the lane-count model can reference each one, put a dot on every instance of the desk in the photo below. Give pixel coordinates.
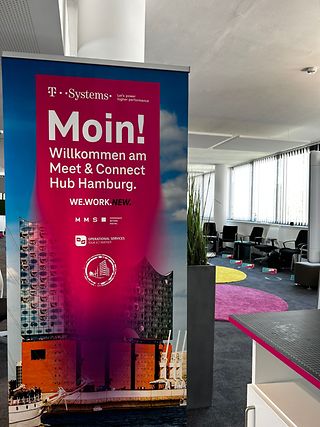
(242, 250)
(285, 388)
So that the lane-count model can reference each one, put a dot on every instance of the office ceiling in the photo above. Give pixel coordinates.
(248, 97)
(28, 26)
(245, 58)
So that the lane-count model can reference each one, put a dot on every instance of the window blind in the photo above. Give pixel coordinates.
(293, 187)
(264, 190)
(241, 192)
(276, 191)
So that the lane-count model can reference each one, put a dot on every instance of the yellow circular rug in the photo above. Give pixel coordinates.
(228, 275)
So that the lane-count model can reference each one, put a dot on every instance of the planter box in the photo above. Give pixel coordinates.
(201, 300)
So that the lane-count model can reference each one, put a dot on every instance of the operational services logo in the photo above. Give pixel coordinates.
(100, 270)
(80, 240)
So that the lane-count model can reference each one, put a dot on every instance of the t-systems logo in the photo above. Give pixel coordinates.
(77, 95)
(100, 270)
(80, 240)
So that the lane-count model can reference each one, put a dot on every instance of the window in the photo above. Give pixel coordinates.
(264, 190)
(38, 354)
(272, 190)
(204, 184)
(240, 197)
(293, 187)
(208, 196)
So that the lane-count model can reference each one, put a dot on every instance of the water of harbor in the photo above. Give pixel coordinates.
(164, 417)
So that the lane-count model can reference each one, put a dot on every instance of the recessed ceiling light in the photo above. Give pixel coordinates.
(310, 70)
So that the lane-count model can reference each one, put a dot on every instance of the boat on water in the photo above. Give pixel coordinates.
(82, 401)
(26, 412)
(26, 406)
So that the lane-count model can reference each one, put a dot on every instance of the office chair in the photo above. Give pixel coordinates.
(255, 235)
(229, 234)
(267, 245)
(300, 245)
(211, 235)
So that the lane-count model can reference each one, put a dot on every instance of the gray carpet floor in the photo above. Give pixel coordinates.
(232, 353)
(232, 362)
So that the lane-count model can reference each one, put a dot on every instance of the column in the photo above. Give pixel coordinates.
(314, 212)
(111, 29)
(221, 197)
(314, 208)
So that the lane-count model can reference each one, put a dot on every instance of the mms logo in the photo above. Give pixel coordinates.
(80, 240)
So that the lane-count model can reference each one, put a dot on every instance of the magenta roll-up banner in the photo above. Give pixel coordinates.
(96, 240)
(101, 167)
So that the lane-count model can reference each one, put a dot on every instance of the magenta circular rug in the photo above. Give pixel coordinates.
(231, 299)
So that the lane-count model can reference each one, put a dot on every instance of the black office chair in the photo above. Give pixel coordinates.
(229, 234)
(3, 309)
(211, 235)
(255, 236)
(300, 245)
(268, 248)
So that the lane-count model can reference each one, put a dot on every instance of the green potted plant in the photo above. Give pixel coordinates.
(201, 300)
(197, 252)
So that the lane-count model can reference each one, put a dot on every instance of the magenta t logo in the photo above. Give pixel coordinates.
(52, 91)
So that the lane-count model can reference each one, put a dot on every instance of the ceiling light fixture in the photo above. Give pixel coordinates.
(310, 70)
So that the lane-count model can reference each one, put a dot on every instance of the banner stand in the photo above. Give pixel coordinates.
(96, 181)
